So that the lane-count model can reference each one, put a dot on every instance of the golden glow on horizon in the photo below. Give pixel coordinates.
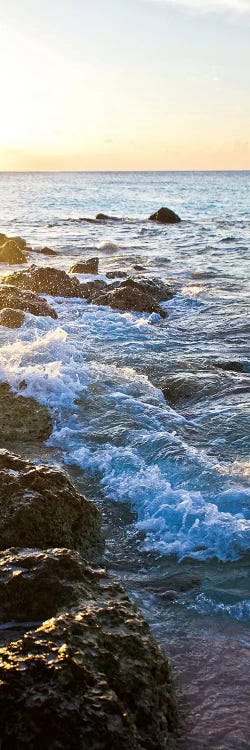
(62, 113)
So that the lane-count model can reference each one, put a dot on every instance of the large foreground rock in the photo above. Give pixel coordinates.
(11, 254)
(36, 584)
(165, 216)
(11, 318)
(12, 297)
(45, 280)
(90, 265)
(22, 419)
(90, 679)
(40, 507)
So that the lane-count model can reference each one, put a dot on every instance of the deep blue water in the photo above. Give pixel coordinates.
(180, 464)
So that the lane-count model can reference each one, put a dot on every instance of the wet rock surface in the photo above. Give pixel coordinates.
(46, 281)
(141, 295)
(165, 216)
(87, 266)
(93, 289)
(12, 297)
(11, 253)
(46, 251)
(22, 419)
(40, 507)
(11, 318)
(156, 287)
(104, 217)
(92, 678)
(231, 366)
(116, 274)
(36, 584)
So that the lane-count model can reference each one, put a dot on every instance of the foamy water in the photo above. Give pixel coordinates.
(181, 464)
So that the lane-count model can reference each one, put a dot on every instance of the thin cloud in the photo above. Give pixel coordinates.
(210, 6)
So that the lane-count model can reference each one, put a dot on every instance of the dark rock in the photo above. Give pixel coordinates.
(139, 267)
(116, 274)
(11, 254)
(231, 366)
(130, 298)
(45, 280)
(165, 216)
(11, 318)
(104, 217)
(12, 297)
(36, 584)
(40, 507)
(87, 266)
(156, 287)
(91, 679)
(46, 251)
(22, 419)
(93, 288)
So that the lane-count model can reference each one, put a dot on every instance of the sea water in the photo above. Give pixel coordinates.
(144, 419)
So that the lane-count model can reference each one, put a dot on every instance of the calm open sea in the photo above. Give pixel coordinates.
(170, 474)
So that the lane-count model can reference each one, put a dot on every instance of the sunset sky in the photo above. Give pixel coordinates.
(125, 84)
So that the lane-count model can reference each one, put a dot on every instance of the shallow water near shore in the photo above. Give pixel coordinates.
(171, 472)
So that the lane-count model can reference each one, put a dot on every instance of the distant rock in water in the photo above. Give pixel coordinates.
(40, 507)
(90, 678)
(12, 297)
(11, 318)
(90, 265)
(11, 254)
(104, 217)
(22, 419)
(45, 280)
(165, 216)
(46, 251)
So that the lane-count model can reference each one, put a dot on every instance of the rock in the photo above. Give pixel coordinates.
(36, 584)
(22, 419)
(11, 318)
(12, 297)
(165, 216)
(22, 244)
(231, 366)
(45, 280)
(156, 287)
(40, 507)
(104, 217)
(11, 254)
(93, 288)
(46, 251)
(90, 679)
(87, 266)
(130, 298)
(3, 239)
(139, 267)
(116, 274)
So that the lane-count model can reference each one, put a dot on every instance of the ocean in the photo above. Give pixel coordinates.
(152, 417)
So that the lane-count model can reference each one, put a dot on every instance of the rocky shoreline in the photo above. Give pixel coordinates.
(79, 667)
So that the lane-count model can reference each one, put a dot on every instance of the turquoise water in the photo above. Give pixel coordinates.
(179, 463)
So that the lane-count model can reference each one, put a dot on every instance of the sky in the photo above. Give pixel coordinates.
(125, 84)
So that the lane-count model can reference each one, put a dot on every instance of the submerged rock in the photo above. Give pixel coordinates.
(22, 419)
(104, 217)
(86, 266)
(11, 254)
(116, 274)
(231, 366)
(11, 318)
(40, 507)
(165, 216)
(12, 297)
(45, 280)
(91, 678)
(36, 584)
